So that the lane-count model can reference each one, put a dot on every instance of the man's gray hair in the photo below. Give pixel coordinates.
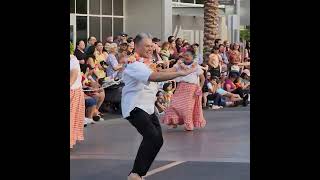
(141, 36)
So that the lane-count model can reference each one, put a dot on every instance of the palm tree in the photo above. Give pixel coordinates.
(211, 24)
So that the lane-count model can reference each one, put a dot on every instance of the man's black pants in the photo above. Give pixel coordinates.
(149, 127)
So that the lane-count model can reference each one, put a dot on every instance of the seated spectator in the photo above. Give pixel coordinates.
(93, 68)
(91, 107)
(160, 103)
(122, 62)
(99, 53)
(214, 96)
(205, 90)
(231, 98)
(112, 62)
(231, 87)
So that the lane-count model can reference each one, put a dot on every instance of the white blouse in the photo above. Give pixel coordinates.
(192, 78)
(74, 64)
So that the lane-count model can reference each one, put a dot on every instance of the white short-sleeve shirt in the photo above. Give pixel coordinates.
(138, 91)
(192, 78)
(74, 64)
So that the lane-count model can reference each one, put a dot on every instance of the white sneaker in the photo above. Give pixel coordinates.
(134, 176)
(89, 121)
(101, 119)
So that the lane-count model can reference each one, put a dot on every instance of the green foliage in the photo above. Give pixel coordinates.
(245, 35)
(71, 48)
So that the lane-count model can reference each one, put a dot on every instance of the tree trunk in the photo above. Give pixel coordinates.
(211, 24)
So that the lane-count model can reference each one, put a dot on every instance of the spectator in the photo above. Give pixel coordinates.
(90, 49)
(165, 53)
(123, 37)
(109, 39)
(184, 47)
(156, 50)
(247, 52)
(217, 98)
(231, 87)
(130, 49)
(123, 48)
(100, 55)
(107, 47)
(227, 45)
(214, 62)
(224, 57)
(112, 62)
(205, 90)
(117, 40)
(217, 42)
(198, 55)
(77, 107)
(231, 98)
(91, 107)
(160, 103)
(168, 89)
(179, 44)
(81, 55)
(174, 55)
(234, 54)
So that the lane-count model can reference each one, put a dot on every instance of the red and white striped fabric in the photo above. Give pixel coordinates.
(185, 107)
(77, 114)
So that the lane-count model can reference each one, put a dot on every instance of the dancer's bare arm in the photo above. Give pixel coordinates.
(164, 76)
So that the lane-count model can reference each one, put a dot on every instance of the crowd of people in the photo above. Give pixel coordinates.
(222, 77)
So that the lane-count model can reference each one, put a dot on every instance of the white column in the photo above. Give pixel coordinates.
(166, 19)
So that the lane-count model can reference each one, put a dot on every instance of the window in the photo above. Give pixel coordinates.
(187, 1)
(81, 27)
(118, 7)
(107, 7)
(106, 27)
(94, 7)
(94, 24)
(72, 8)
(117, 26)
(81, 7)
(199, 1)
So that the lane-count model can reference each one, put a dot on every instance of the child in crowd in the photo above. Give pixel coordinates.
(160, 103)
(168, 91)
(165, 53)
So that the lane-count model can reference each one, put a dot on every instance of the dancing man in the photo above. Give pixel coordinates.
(138, 102)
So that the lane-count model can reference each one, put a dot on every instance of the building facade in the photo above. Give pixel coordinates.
(161, 18)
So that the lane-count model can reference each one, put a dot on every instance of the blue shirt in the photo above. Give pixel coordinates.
(112, 62)
(224, 57)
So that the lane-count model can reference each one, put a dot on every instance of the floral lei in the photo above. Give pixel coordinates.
(136, 56)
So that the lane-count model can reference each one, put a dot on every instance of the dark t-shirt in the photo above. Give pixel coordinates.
(81, 56)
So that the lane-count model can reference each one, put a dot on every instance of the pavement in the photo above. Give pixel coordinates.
(220, 151)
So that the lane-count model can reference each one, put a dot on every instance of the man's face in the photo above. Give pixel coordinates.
(92, 40)
(145, 48)
(227, 44)
(82, 45)
(123, 38)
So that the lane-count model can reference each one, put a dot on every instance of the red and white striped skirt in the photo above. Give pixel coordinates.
(185, 107)
(77, 115)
